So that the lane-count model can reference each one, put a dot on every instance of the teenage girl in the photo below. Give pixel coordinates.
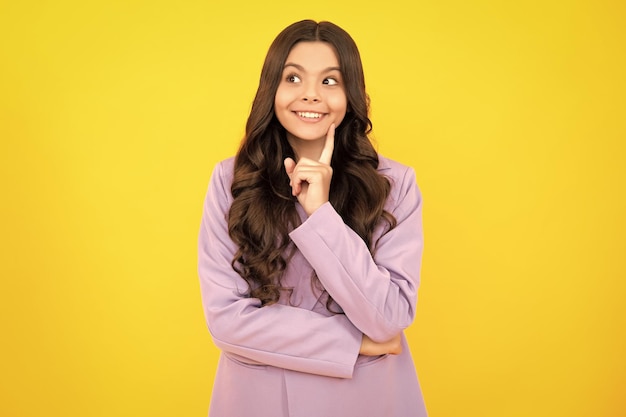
(310, 247)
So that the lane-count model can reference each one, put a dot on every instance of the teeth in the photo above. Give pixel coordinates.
(309, 115)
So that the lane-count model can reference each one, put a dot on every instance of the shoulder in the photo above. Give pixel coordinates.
(389, 166)
(402, 179)
(396, 172)
(224, 171)
(225, 168)
(222, 179)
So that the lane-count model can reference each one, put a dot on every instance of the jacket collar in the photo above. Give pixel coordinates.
(383, 164)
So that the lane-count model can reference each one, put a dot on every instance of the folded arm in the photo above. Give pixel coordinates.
(277, 335)
(377, 293)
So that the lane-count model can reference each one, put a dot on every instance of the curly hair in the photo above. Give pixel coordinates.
(263, 210)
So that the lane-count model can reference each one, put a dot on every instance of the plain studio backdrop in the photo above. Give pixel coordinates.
(113, 113)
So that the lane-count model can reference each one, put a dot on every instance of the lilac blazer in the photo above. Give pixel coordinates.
(295, 358)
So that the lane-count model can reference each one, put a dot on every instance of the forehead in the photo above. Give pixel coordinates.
(313, 56)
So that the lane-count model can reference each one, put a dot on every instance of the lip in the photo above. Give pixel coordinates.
(309, 119)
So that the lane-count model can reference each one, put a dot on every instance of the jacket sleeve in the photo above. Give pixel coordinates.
(278, 335)
(378, 294)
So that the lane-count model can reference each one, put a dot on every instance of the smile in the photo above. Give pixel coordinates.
(309, 115)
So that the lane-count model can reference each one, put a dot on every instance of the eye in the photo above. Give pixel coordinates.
(330, 81)
(293, 78)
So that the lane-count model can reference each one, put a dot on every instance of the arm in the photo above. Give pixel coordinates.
(378, 295)
(277, 335)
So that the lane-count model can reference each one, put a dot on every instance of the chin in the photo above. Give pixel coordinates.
(309, 137)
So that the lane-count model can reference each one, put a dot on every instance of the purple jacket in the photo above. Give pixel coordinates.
(295, 358)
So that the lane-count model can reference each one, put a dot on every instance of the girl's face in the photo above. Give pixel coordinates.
(311, 95)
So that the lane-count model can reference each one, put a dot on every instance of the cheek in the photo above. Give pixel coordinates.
(281, 99)
(281, 103)
(277, 100)
(338, 103)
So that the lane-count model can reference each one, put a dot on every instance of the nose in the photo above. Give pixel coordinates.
(311, 95)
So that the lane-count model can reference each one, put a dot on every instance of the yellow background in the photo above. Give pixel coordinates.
(113, 113)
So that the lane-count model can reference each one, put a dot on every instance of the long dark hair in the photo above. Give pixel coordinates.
(263, 211)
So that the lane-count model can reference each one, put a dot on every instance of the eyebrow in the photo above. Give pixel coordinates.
(301, 68)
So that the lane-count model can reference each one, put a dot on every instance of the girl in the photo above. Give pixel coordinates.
(310, 247)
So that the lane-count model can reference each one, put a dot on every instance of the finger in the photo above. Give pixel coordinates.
(290, 165)
(329, 146)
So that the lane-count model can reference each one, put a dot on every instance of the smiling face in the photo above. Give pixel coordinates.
(311, 94)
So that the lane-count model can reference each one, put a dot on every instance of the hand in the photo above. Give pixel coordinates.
(309, 179)
(371, 348)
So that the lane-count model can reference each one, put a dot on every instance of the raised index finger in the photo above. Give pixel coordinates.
(329, 146)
